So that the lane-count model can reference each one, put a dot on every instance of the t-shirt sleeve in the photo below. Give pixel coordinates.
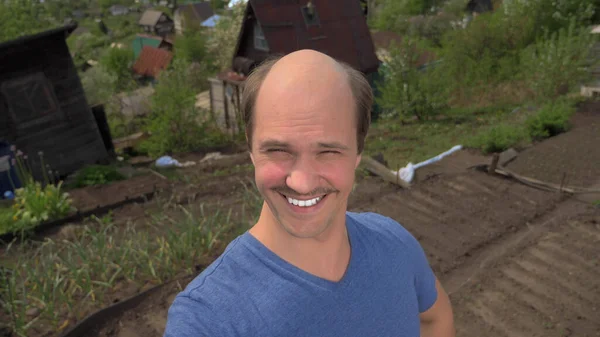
(188, 317)
(424, 277)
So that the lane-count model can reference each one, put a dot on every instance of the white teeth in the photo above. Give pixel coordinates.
(304, 203)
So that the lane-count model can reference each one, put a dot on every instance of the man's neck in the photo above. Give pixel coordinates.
(326, 256)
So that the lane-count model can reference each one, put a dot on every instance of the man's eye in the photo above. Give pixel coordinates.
(330, 152)
(275, 150)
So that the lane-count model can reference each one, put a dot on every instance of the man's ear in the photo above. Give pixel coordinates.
(358, 159)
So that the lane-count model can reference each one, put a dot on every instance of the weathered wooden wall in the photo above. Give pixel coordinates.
(69, 136)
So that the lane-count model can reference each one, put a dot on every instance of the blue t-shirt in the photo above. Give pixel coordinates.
(249, 291)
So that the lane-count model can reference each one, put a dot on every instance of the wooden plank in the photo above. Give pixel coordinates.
(385, 173)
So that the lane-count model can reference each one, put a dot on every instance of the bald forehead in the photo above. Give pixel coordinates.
(304, 70)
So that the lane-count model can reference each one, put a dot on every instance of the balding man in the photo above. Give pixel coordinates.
(309, 267)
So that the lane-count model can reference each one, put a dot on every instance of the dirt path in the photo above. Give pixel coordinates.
(572, 158)
(550, 287)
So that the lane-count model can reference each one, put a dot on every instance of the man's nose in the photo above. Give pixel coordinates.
(303, 177)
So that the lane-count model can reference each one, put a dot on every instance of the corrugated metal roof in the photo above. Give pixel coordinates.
(152, 61)
(150, 17)
(341, 32)
(144, 40)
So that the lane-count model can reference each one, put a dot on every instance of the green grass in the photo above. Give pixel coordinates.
(66, 279)
(6, 218)
(416, 141)
(97, 175)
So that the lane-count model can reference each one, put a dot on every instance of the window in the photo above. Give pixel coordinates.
(31, 100)
(311, 17)
(260, 42)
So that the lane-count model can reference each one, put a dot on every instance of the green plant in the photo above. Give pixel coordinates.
(73, 277)
(97, 175)
(551, 120)
(175, 124)
(36, 201)
(498, 138)
(411, 88)
(558, 61)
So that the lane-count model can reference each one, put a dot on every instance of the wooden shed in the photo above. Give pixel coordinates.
(43, 107)
(337, 28)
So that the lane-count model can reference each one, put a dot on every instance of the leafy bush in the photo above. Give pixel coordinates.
(558, 61)
(498, 138)
(97, 175)
(551, 120)
(118, 62)
(409, 89)
(35, 203)
(175, 124)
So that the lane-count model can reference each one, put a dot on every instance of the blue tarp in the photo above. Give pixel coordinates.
(211, 22)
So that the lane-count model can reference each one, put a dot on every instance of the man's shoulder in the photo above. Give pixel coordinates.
(222, 278)
(382, 228)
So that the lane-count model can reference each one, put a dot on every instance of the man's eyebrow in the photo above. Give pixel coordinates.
(333, 145)
(269, 143)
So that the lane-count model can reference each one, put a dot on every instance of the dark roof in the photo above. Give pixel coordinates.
(152, 61)
(342, 32)
(65, 30)
(199, 11)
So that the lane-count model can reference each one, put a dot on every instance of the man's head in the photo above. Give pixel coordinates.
(307, 116)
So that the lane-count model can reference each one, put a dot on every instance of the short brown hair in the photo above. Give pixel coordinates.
(361, 90)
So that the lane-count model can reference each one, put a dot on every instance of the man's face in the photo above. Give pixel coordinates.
(304, 150)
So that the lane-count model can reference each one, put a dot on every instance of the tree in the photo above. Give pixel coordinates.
(118, 61)
(24, 17)
(224, 36)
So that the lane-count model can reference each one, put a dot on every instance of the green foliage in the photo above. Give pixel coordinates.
(409, 89)
(392, 14)
(558, 61)
(118, 62)
(99, 85)
(223, 37)
(498, 138)
(97, 175)
(219, 4)
(175, 124)
(24, 17)
(551, 120)
(191, 47)
(35, 201)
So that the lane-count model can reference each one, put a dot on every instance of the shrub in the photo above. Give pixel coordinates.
(558, 61)
(498, 138)
(551, 120)
(175, 124)
(410, 89)
(97, 175)
(35, 203)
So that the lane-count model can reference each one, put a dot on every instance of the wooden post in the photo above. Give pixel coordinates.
(212, 104)
(225, 108)
(494, 164)
(239, 111)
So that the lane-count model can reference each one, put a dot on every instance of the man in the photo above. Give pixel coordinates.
(308, 267)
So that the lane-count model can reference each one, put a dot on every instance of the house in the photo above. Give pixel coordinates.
(43, 107)
(142, 40)
(155, 22)
(193, 14)
(118, 10)
(151, 62)
(337, 28)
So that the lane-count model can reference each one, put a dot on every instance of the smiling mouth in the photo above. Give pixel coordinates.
(305, 202)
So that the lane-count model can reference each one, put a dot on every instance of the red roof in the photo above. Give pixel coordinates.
(152, 61)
